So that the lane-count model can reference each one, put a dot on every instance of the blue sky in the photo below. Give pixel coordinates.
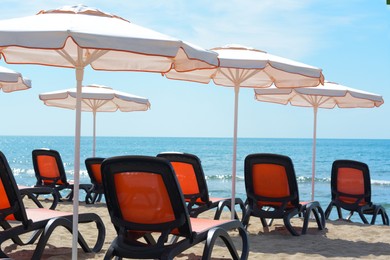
(349, 40)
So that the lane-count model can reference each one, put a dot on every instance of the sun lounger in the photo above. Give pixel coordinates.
(189, 172)
(50, 172)
(33, 193)
(143, 197)
(272, 193)
(93, 168)
(17, 220)
(351, 191)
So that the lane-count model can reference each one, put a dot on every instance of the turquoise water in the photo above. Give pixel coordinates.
(216, 156)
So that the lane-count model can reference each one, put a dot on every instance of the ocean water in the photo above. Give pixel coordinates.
(216, 156)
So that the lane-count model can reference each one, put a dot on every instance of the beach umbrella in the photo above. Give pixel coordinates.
(95, 98)
(328, 96)
(241, 66)
(12, 81)
(80, 36)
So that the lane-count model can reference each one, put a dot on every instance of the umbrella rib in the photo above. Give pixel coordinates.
(323, 100)
(66, 56)
(89, 104)
(309, 99)
(230, 76)
(96, 54)
(94, 104)
(248, 74)
(315, 100)
(240, 75)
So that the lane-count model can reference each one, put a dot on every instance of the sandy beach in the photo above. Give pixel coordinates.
(340, 240)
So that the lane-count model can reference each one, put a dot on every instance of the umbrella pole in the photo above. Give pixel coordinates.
(313, 175)
(79, 78)
(94, 134)
(233, 203)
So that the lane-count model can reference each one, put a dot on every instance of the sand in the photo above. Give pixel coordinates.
(340, 240)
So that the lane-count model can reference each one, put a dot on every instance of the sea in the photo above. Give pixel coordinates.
(216, 157)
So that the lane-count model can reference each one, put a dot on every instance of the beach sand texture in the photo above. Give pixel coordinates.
(340, 240)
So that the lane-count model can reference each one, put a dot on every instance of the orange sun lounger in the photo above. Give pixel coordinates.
(351, 191)
(34, 192)
(93, 168)
(50, 172)
(17, 220)
(143, 197)
(189, 172)
(272, 193)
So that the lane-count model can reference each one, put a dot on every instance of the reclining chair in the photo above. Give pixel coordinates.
(351, 191)
(272, 193)
(50, 172)
(143, 197)
(93, 168)
(17, 220)
(34, 192)
(189, 172)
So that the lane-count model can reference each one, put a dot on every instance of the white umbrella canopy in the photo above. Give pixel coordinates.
(95, 98)
(241, 66)
(78, 36)
(12, 81)
(328, 96)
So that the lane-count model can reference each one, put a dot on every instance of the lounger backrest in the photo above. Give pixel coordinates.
(350, 181)
(11, 204)
(270, 180)
(143, 194)
(93, 166)
(189, 172)
(48, 167)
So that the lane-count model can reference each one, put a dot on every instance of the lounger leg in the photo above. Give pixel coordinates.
(88, 218)
(319, 218)
(242, 206)
(245, 218)
(339, 213)
(364, 219)
(212, 236)
(318, 215)
(328, 210)
(306, 216)
(216, 233)
(110, 251)
(50, 227)
(321, 221)
(380, 210)
(265, 223)
(221, 206)
(99, 197)
(374, 215)
(385, 217)
(69, 197)
(90, 197)
(287, 223)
